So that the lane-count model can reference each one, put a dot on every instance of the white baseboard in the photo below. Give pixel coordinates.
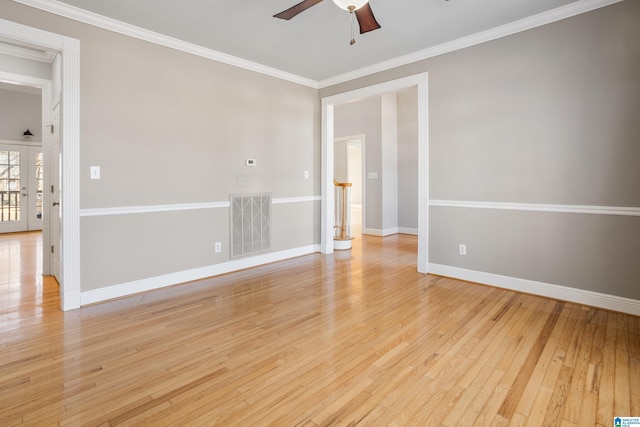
(71, 299)
(407, 230)
(152, 283)
(564, 293)
(390, 231)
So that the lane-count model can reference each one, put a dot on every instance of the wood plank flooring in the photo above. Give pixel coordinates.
(356, 338)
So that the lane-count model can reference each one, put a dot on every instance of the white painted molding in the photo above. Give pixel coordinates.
(70, 173)
(132, 210)
(390, 231)
(564, 293)
(26, 53)
(327, 116)
(81, 15)
(77, 14)
(548, 17)
(372, 232)
(285, 200)
(19, 34)
(407, 230)
(539, 207)
(21, 143)
(158, 282)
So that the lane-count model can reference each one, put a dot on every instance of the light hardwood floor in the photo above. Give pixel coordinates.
(356, 338)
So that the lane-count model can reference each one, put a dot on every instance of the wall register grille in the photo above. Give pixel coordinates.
(250, 223)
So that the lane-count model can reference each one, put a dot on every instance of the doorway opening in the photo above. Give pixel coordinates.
(349, 167)
(418, 81)
(65, 86)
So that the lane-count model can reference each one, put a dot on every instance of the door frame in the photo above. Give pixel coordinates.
(69, 48)
(363, 181)
(328, 103)
(27, 150)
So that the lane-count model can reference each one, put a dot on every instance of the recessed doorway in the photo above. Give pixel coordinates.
(349, 167)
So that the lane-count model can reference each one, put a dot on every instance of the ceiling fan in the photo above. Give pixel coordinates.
(360, 8)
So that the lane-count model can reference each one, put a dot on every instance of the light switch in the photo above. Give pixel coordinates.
(95, 172)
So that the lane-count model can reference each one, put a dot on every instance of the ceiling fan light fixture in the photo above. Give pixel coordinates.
(350, 5)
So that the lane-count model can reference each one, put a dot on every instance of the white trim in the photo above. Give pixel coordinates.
(20, 143)
(70, 173)
(544, 18)
(26, 53)
(81, 15)
(390, 231)
(408, 230)
(304, 199)
(382, 233)
(326, 212)
(19, 34)
(564, 293)
(132, 210)
(539, 207)
(153, 283)
(361, 139)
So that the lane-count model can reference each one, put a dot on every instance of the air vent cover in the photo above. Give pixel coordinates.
(250, 223)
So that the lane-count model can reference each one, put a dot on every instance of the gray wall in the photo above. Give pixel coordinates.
(408, 159)
(365, 117)
(169, 128)
(20, 111)
(546, 116)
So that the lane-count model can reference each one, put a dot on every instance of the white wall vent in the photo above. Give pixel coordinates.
(250, 223)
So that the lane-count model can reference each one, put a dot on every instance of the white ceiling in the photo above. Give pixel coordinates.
(315, 44)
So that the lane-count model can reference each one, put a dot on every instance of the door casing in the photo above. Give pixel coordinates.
(328, 103)
(69, 50)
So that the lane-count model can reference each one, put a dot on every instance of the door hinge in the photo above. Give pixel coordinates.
(52, 189)
(51, 128)
(51, 248)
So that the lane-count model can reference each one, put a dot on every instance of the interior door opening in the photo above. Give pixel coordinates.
(62, 53)
(349, 167)
(329, 103)
(24, 213)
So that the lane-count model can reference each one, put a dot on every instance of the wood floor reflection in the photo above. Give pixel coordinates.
(355, 338)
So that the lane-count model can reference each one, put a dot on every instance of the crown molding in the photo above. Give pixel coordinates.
(544, 18)
(86, 17)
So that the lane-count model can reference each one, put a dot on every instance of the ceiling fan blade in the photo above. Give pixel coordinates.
(366, 20)
(296, 9)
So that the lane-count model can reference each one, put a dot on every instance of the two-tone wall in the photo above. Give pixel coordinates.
(171, 132)
(533, 155)
(534, 150)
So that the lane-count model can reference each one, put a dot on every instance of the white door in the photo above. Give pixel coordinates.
(56, 209)
(20, 188)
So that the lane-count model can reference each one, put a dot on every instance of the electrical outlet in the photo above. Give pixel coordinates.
(218, 247)
(462, 249)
